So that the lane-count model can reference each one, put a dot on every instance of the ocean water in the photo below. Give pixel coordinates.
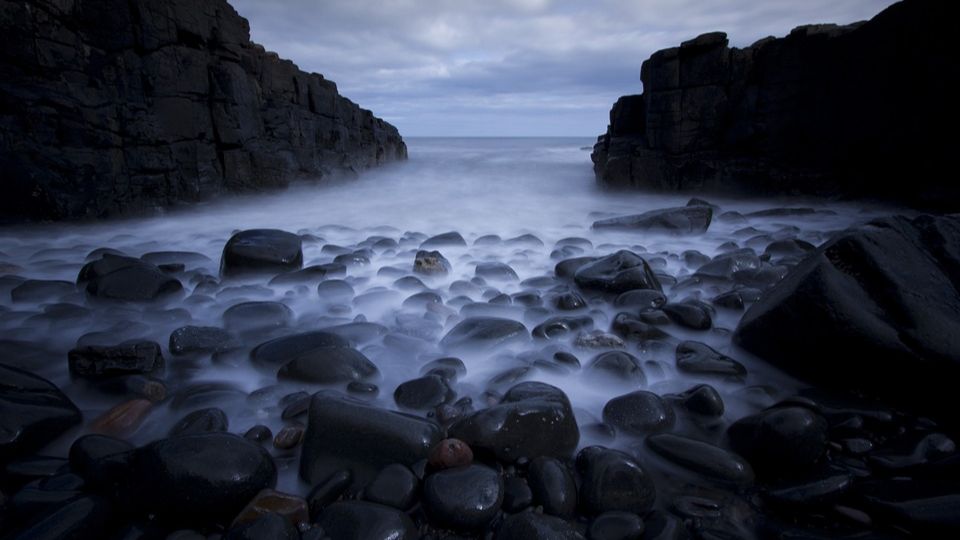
(477, 187)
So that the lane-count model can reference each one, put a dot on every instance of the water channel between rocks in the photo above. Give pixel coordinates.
(528, 203)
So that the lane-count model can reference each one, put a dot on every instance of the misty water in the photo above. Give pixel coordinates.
(531, 193)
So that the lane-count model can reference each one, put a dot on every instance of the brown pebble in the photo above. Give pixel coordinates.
(288, 437)
(122, 419)
(450, 453)
(289, 506)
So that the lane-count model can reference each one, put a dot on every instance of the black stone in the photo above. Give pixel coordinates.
(644, 299)
(424, 393)
(261, 251)
(612, 480)
(780, 441)
(616, 526)
(702, 458)
(135, 358)
(698, 359)
(553, 486)
(639, 413)
(531, 526)
(358, 520)
(679, 221)
(127, 279)
(211, 420)
(395, 485)
(34, 412)
(199, 339)
(618, 366)
(484, 333)
(617, 273)
(270, 525)
(463, 498)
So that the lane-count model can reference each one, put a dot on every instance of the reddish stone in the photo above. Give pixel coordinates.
(450, 453)
(122, 419)
(291, 507)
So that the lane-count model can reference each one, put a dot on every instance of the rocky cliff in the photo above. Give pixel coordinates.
(854, 111)
(114, 106)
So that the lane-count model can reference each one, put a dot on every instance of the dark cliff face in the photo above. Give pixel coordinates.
(852, 111)
(114, 106)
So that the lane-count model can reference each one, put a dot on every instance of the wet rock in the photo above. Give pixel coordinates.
(463, 498)
(446, 239)
(698, 359)
(569, 301)
(343, 434)
(357, 520)
(431, 263)
(552, 486)
(702, 399)
(531, 526)
(616, 526)
(335, 290)
(484, 333)
(257, 315)
(328, 365)
(643, 299)
(328, 491)
(568, 268)
(395, 485)
(32, 469)
(210, 420)
(276, 352)
(727, 265)
(449, 368)
(533, 419)
(729, 300)
(927, 509)
(198, 340)
(288, 437)
(83, 517)
(693, 315)
(356, 258)
(811, 492)
(682, 220)
(34, 412)
(639, 413)
(261, 251)
(37, 290)
(911, 450)
(220, 472)
(87, 450)
(702, 458)
(291, 508)
(619, 366)
(310, 274)
(632, 328)
(558, 327)
(617, 273)
(516, 494)
(423, 393)
(122, 419)
(449, 454)
(270, 525)
(598, 339)
(780, 441)
(612, 480)
(127, 279)
(792, 248)
(878, 307)
(135, 358)
(258, 433)
(496, 271)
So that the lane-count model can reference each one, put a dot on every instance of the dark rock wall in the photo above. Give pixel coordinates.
(114, 106)
(856, 111)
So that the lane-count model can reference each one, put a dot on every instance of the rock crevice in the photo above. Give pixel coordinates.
(116, 106)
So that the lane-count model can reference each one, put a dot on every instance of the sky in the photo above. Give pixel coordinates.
(508, 67)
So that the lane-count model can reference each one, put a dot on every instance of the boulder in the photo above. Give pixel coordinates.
(612, 480)
(33, 412)
(678, 221)
(126, 279)
(261, 251)
(463, 498)
(617, 273)
(358, 520)
(484, 333)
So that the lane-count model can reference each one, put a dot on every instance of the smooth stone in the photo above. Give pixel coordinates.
(617, 273)
(531, 526)
(359, 520)
(83, 517)
(39, 290)
(210, 420)
(616, 526)
(345, 434)
(424, 393)
(630, 327)
(198, 340)
(290, 507)
(288, 438)
(395, 485)
(612, 480)
(644, 299)
(257, 315)
(727, 265)
(310, 274)
(87, 450)
(533, 419)
(620, 367)
(335, 290)
(702, 458)
(553, 486)
(258, 433)
(326, 492)
(127, 279)
(691, 315)
(496, 271)
(697, 358)
(677, 221)
(450, 453)
(446, 239)
(271, 525)
(34, 412)
(431, 263)
(279, 351)
(261, 251)
(97, 362)
(122, 419)
(639, 413)
(702, 399)
(221, 473)
(463, 498)
(780, 441)
(449, 368)
(568, 268)
(329, 365)
(484, 333)
(816, 492)
(558, 327)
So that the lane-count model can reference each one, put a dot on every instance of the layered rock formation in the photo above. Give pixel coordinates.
(828, 110)
(113, 106)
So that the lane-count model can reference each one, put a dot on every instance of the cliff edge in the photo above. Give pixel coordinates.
(845, 111)
(114, 106)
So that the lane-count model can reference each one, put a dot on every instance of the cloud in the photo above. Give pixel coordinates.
(508, 67)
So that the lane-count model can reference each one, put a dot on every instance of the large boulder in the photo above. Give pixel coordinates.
(204, 478)
(115, 277)
(876, 309)
(261, 251)
(617, 273)
(345, 434)
(533, 419)
(33, 412)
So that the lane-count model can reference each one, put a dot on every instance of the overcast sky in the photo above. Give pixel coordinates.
(508, 67)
